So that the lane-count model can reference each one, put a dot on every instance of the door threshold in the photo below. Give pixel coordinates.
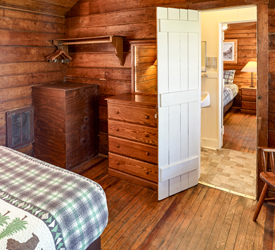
(227, 190)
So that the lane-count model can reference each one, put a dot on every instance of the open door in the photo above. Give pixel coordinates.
(179, 94)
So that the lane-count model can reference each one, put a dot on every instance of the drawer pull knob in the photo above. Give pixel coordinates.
(117, 112)
(117, 129)
(117, 146)
(259, 97)
(117, 163)
(147, 153)
(146, 116)
(146, 135)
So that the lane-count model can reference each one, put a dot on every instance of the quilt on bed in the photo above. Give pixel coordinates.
(229, 92)
(46, 207)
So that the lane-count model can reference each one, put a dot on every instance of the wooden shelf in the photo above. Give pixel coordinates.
(117, 42)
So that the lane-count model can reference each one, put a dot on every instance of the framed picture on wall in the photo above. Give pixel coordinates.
(230, 47)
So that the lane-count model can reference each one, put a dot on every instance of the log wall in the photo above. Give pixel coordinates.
(246, 35)
(271, 80)
(24, 44)
(135, 20)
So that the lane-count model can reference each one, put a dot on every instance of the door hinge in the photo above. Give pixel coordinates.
(222, 130)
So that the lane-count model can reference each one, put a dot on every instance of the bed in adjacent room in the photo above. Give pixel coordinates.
(230, 90)
(45, 207)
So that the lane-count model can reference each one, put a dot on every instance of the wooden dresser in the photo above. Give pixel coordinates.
(133, 138)
(65, 123)
(249, 100)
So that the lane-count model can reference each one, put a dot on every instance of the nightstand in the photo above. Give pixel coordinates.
(249, 99)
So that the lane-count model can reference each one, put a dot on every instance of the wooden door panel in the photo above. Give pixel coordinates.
(178, 35)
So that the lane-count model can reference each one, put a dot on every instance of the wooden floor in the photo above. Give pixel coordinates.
(199, 218)
(239, 131)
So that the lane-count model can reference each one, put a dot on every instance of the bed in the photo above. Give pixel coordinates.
(230, 90)
(45, 207)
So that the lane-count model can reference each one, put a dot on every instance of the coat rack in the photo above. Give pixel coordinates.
(116, 41)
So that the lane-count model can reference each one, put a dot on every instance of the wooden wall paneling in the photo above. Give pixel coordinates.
(30, 25)
(131, 31)
(29, 67)
(11, 81)
(21, 38)
(53, 7)
(206, 5)
(112, 18)
(31, 16)
(25, 41)
(100, 73)
(262, 84)
(24, 54)
(110, 87)
(15, 104)
(15, 93)
(246, 34)
(81, 8)
(99, 60)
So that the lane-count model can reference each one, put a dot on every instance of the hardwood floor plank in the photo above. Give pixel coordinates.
(239, 243)
(250, 233)
(202, 224)
(127, 220)
(119, 211)
(199, 218)
(258, 242)
(230, 243)
(219, 223)
(268, 232)
(152, 214)
(153, 220)
(173, 217)
(188, 220)
(239, 131)
(223, 236)
(186, 240)
(212, 220)
(134, 223)
(174, 229)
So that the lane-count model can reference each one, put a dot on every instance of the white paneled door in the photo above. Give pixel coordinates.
(179, 94)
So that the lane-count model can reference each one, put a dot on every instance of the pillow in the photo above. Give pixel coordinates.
(228, 76)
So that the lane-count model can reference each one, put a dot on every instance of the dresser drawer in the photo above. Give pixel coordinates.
(249, 105)
(133, 132)
(132, 149)
(134, 167)
(249, 98)
(250, 92)
(139, 115)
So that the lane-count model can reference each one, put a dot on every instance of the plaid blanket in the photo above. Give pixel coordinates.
(70, 210)
(229, 92)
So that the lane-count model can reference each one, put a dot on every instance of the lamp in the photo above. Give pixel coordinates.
(250, 67)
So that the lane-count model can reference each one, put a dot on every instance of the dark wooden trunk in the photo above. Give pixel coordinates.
(65, 123)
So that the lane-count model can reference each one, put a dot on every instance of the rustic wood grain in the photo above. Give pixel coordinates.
(262, 86)
(68, 114)
(30, 25)
(29, 67)
(31, 16)
(11, 81)
(58, 8)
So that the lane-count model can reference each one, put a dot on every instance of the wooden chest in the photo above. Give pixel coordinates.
(249, 100)
(133, 139)
(65, 123)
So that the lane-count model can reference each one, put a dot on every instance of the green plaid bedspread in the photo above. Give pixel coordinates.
(46, 207)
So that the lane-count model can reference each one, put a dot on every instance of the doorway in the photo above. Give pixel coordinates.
(224, 168)
(239, 114)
